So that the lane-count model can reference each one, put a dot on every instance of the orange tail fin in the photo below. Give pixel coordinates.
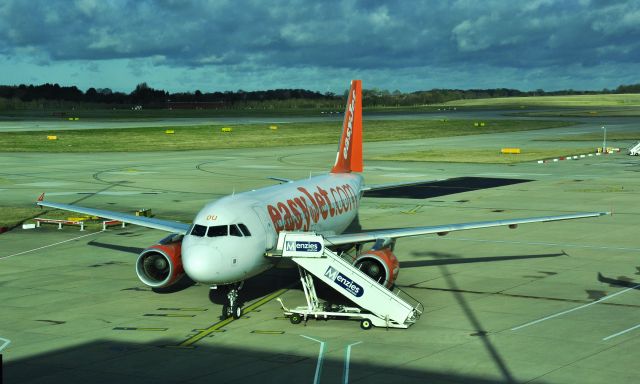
(349, 156)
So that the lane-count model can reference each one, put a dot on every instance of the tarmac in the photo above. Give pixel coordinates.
(545, 303)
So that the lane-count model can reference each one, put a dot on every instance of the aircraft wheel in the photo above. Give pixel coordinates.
(226, 311)
(237, 312)
(295, 318)
(366, 324)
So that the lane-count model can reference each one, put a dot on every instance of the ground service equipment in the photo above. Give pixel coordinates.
(376, 305)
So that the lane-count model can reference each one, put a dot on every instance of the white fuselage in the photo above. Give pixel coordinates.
(323, 204)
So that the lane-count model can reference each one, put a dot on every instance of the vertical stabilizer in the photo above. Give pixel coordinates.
(349, 156)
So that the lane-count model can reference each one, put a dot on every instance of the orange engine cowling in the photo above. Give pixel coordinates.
(160, 265)
(380, 264)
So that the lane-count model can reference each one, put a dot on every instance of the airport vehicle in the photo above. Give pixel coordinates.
(635, 150)
(230, 239)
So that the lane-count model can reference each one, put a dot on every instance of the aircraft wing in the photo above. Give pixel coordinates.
(149, 222)
(364, 237)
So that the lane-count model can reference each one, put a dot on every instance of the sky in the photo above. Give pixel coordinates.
(182, 46)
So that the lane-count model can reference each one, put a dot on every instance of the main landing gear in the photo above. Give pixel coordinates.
(233, 307)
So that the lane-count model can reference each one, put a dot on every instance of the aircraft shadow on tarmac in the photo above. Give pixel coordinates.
(260, 286)
(441, 260)
(183, 283)
(443, 187)
(114, 361)
(449, 259)
(621, 281)
(72, 364)
(116, 247)
(279, 278)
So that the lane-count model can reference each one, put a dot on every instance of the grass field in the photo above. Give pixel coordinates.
(596, 136)
(595, 101)
(11, 216)
(248, 136)
(582, 112)
(486, 156)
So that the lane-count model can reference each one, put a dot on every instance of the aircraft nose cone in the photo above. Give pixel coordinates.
(201, 263)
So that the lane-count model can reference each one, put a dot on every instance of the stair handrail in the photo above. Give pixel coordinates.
(418, 307)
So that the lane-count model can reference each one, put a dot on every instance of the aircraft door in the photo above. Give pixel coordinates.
(271, 237)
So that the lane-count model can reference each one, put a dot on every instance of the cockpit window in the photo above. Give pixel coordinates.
(199, 230)
(244, 229)
(234, 230)
(217, 230)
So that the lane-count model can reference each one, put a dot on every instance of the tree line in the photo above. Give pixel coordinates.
(146, 96)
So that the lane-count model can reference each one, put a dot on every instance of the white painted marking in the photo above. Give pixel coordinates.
(45, 184)
(260, 166)
(539, 243)
(122, 193)
(385, 169)
(105, 193)
(404, 175)
(316, 377)
(134, 173)
(346, 362)
(50, 245)
(574, 309)
(4, 345)
(62, 193)
(621, 332)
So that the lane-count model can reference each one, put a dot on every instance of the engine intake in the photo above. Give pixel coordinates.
(381, 265)
(160, 265)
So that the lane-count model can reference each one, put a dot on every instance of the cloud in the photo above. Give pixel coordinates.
(236, 39)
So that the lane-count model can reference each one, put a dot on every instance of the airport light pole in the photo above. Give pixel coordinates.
(604, 140)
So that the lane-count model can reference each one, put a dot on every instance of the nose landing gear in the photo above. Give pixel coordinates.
(233, 308)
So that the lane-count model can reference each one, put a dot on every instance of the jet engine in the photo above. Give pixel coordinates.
(379, 264)
(160, 265)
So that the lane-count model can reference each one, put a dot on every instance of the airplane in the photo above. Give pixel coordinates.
(230, 238)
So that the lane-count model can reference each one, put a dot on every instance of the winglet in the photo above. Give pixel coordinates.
(41, 198)
(349, 156)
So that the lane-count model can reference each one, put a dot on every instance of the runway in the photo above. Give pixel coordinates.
(51, 124)
(525, 305)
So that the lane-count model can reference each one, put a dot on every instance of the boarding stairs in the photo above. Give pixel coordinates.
(376, 304)
(635, 150)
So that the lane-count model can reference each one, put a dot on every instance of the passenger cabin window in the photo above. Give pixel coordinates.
(244, 229)
(199, 230)
(217, 230)
(234, 230)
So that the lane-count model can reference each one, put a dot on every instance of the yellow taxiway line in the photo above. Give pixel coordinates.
(215, 327)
